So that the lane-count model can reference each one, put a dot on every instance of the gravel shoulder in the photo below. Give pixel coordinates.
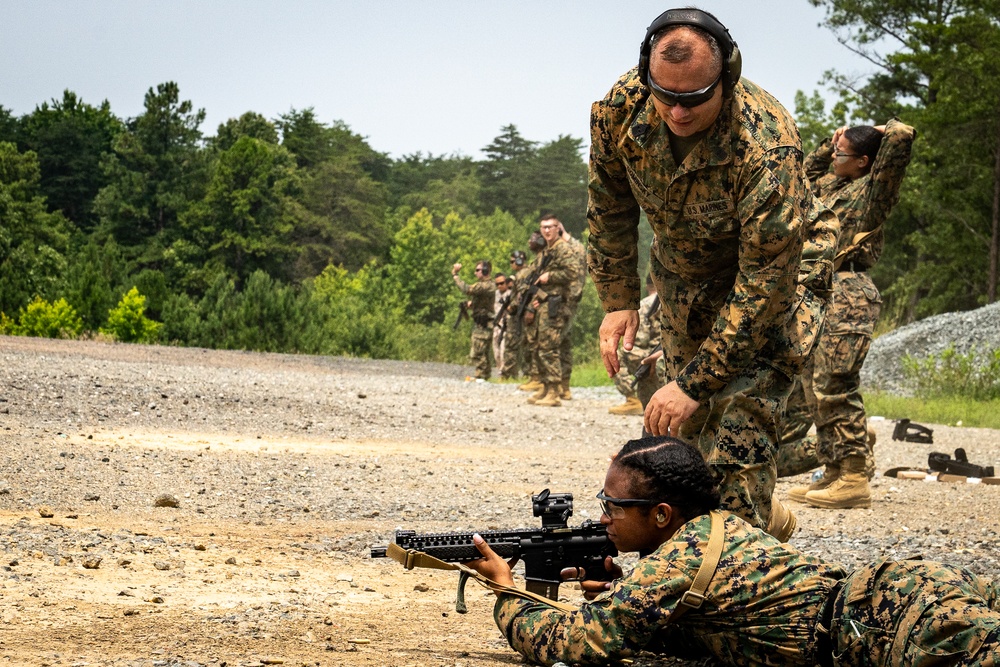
(287, 469)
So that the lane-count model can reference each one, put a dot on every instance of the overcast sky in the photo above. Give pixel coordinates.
(430, 76)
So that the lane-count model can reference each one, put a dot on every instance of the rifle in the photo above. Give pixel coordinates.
(529, 294)
(544, 551)
(463, 314)
(504, 303)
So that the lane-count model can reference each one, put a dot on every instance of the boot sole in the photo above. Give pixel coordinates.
(856, 504)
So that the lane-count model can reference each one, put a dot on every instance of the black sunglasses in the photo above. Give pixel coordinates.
(686, 100)
(609, 504)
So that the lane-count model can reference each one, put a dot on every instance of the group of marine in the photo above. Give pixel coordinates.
(760, 315)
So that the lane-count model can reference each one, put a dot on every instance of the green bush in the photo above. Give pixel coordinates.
(46, 320)
(951, 374)
(128, 323)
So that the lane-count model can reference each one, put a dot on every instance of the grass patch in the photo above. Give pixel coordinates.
(591, 374)
(951, 411)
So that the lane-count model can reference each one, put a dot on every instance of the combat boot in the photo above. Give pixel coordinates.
(850, 489)
(533, 384)
(551, 398)
(539, 393)
(631, 406)
(783, 523)
(564, 393)
(830, 475)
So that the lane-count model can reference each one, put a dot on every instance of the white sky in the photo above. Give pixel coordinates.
(434, 76)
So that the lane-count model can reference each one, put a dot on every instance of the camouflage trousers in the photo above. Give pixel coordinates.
(629, 362)
(479, 353)
(737, 433)
(514, 359)
(838, 408)
(797, 450)
(549, 324)
(915, 613)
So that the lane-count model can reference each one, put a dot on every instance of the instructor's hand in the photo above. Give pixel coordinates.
(667, 410)
(491, 565)
(620, 325)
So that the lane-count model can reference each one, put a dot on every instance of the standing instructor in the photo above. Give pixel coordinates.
(716, 164)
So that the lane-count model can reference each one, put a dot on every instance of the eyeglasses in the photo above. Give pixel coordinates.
(615, 507)
(841, 156)
(686, 100)
(549, 226)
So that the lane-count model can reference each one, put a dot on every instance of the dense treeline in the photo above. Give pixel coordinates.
(283, 235)
(293, 234)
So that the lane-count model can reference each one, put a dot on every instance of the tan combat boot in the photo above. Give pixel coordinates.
(551, 397)
(830, 475)
(564, 391)
(782, 523)
(631, 406)
(533, 384)
(539, 393)
(850, 489)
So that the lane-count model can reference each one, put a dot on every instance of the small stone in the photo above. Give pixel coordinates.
(124, 562)
(156, 599)
(92, 497)
(92, 562)
(45, 512)
(200, 547)
(422, 587)
(161, 565)
(166, 500)
(231, 561)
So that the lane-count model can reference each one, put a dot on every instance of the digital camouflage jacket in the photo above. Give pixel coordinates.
(728, 227)
(764, 600)
(865, 203)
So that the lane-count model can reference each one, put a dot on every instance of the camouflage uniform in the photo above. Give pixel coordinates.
(862, 205)
(646, 338)
(765, 605)
(516, 344)
(553, 309)
(481, 293)
(573, 304)
(727, 223)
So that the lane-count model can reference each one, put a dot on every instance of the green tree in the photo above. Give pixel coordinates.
(559, 177)
(33, 241)
(127, 322)
(155, 171)
(93, 272)
(70, 138)
(249, 124)
(47, 320)
(505, 173)
(245, 220)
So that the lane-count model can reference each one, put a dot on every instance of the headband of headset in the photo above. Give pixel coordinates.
(732, 61)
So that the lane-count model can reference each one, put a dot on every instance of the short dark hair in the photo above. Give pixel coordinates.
(671, 471)
(865, 140)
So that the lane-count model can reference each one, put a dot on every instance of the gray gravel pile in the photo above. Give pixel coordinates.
(966, 331)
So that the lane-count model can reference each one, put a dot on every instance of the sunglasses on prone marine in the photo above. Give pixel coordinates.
(615, 507)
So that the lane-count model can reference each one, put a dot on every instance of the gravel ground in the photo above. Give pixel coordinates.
(284, 470)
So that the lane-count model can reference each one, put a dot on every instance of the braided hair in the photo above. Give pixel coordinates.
(670, 471)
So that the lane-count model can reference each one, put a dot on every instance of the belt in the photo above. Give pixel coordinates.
(824, 642)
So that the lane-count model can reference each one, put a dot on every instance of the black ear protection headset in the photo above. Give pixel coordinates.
(732, 61)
